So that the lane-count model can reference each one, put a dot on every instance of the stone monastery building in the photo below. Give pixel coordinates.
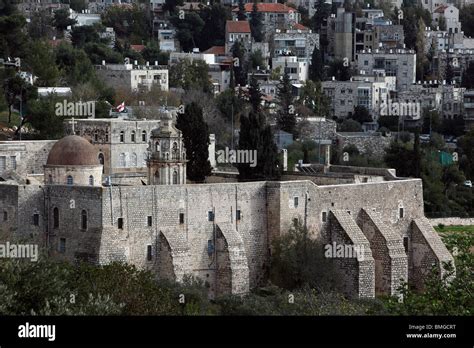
(221, 232)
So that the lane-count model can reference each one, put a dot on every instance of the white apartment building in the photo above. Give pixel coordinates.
(133, 77)
(297, 69)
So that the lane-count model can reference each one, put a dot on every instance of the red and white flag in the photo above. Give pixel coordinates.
(121, 107)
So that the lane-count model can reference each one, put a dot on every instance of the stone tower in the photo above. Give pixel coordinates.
(167, 160)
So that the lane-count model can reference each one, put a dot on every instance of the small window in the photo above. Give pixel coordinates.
(122, 136)
(84, 220)
(36, 219)
(324, 216)
(210, 247)
(62, 245)
(295, 202)
(56, 218)
(144, 136)
(181, 218)
(401, 213)
(132, 137)
(5, 216)
(405, 243)
(238, 215)
(69, 180)
(149, 255)
(150, 221)
(120, 223)
(210, 216)
(96, 136)
(13, 162)
(91, 180)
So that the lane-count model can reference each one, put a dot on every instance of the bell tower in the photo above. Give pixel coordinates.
(167, 155)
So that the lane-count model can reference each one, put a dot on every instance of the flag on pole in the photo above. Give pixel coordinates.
(121, 107)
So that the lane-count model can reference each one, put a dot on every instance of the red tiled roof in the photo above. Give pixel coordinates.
(441, 9)
(268, 7)
(237, 27)
(217, 50)
(137, 48)
(299, 26)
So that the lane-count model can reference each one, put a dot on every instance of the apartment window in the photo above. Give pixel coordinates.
(181, 218)
(36, 219)
(238, 215)
(84, 220)
(144, 136)
(149, 255)
(150, 221)
(132, 137)
(3, 163)
(122, 161)
(122, 136)
(56, 217)
(91, 180)
(5, 216)
(62, 245)
(366, 62)
(295, 202)
(210, 216)
(120, 223)
(13, 162)
(69, 180)
(401, 213)
(324, 216)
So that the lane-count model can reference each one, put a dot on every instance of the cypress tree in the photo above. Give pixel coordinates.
(196, 140)
(256, 24)
(286, 116)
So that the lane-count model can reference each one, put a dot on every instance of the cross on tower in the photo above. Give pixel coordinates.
(73, 123)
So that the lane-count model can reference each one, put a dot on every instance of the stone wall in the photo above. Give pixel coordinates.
(368, 144)
(452, 221)
(30, 155)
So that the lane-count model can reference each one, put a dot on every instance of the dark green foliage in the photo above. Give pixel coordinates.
(339, 71)
(466, 17)
(188, 30)
(190, 75)
(39, 59)
(152, 53)
(99, 52)
(349, 125)
(468, 76)
(61, 20)
(74, 64)
(84, 34)
(196, 141)
(298, 260)
(256, 23)
(450, 296)
(256, 134)
(13, 39)
(286, 115)
(316, 67)
(132, 25)
(42, 116)
(40, 25)
(322, 12)
(241, 16)
(170, 5)
(240, 73)
(361, 114)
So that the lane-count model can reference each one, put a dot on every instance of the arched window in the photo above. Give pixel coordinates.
(101, 158)
(56, 217)
(69, 180)
(132, 137)
(145, 157)
(96, 136)
(91, 180)
(122, 136)
(50, 179)
(134, 159)
(157, 177)
(122, 161)
(175, 153)
(157, 146)
(144, 136)
(84, 220)
(175, 177)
